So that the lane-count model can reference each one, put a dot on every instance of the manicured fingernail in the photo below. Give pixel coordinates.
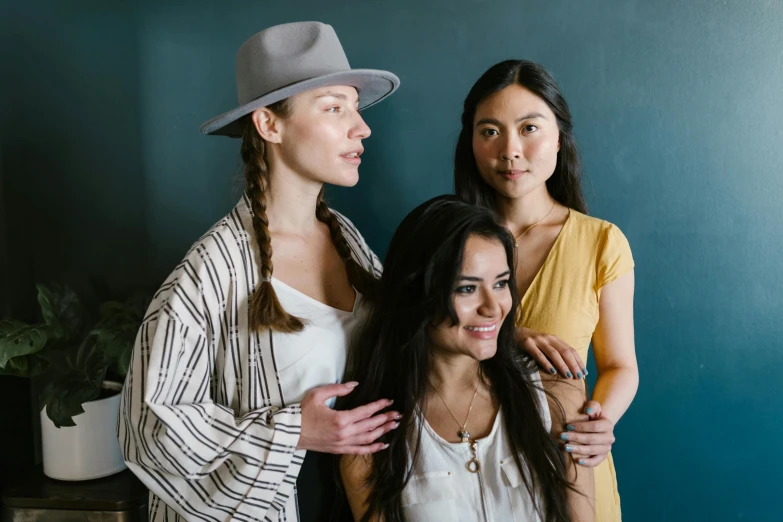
(584, 371)
(391, 401)
(385, 446)
(570, 427)
(564, 436)
(395, 425)
(552, 371)
(397, 416)
(352, 384)
(569, 375)
(569, 448)
(589, 411)
(578, 375)
(581, 462)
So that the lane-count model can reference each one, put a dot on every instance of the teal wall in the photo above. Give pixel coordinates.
(677, 107)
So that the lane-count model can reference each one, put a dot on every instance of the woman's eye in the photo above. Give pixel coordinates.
(531, 128)
(467, 289)
(333, 109)
(489, 132)
(502, 284)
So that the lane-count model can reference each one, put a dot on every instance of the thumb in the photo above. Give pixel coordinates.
(593, 409)
(323, 393)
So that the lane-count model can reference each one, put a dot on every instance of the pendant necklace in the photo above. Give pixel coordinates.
(473, 464)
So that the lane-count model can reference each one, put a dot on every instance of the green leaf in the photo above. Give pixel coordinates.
(117, 331)
(81, 353)
(46, 300)
(122, 364)
(61, 306)
(19, 339)
(64, 396)
(26, 366)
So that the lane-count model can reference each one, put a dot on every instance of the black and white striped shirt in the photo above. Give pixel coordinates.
(203, 421)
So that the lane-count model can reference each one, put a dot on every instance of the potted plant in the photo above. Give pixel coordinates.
(82, 359)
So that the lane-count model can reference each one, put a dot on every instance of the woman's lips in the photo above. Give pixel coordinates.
(512, 174)
(484, 331)
(353, 156)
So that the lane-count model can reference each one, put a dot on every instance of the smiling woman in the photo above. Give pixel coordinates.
(473, 441)
(516, 155)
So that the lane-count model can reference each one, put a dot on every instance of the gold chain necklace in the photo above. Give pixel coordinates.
(473, 464)
(516, 239)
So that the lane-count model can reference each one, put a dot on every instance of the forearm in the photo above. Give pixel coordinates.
(354, 470)
(564, 407)
(615, 389)
(581, 503)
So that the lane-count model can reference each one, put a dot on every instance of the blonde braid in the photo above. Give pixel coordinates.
(265, 308)
(358, 276)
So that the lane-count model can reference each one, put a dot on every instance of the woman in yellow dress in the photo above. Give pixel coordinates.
(516, 154)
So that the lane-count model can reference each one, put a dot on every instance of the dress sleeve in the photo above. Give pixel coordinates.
(614, 256)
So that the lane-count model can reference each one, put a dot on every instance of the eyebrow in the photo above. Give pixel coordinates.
(478, 279)
(528, 116)
(333, 94)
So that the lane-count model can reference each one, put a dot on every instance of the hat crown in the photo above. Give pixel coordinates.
(286, 54)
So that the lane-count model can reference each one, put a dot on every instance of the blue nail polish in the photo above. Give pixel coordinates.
(589, 411)
(570, 427)
(569, 448)
(569, 375)
(564, 436)
(578, 375)
(553, 371)
(581, 462)
(584, 371)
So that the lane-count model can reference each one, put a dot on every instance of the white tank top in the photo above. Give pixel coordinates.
(442, 488)
(316, 356)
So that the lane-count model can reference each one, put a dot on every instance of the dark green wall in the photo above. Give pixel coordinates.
(677, 107)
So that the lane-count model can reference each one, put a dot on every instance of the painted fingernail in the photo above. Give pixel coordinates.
(570, 427)
(395, 425)
(581, 462)
(385, 446)
(569, 375)
(352, 384)
(391, 401)
(578, 375)
(584, 371)
(569, 448)
(553, 371)
(397, 416)
(564, 436)
(589, 411)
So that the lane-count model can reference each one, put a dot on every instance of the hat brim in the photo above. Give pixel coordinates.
(373, 86)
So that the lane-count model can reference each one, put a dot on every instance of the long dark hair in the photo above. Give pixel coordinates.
(392, 357)
(565, 183)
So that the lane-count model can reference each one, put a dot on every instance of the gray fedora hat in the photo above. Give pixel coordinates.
(287, 59)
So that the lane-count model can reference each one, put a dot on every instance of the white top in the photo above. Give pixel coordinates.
(442, 488)
(210, 416)
(316, 356)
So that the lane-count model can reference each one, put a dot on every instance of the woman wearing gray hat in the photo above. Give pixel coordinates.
(236, 365)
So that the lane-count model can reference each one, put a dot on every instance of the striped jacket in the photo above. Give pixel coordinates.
(202, 419)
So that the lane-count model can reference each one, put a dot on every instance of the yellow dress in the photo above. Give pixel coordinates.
(562, 300)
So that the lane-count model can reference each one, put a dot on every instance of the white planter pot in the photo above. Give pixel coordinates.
(88, 450)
